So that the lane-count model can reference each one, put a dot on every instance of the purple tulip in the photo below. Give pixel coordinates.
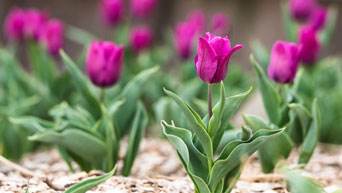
(111, 11)
(301, 9)
(52, 37)
(143, 8)
(311, 46)
(213, 55)
(220, 24)
(14, 24)
(140, 38)
(284, 61)
(318, 18)
(104, 63)
(183, 37)
(197, 19)
(35, 21)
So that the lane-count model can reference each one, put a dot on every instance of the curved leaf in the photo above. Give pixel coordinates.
(136, 134)
(193, 160)
(90, 183)
(196, 124)
(311, 139)
(77, 141)
(236, 152)
(269, 94)
(215, 120)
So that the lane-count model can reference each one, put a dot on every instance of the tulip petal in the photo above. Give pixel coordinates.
(222, 68)
(206, 62)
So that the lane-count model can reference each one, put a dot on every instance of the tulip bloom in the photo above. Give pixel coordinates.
(104, 63)
(52, 37)
(318, 18)
(111, 11)
(143, 8)
(220, 24)
(213, 55)
(183, 37)
(284, 62)
(301, 9)
(14, 24)
(35, 21)
(197, 20)
(311, 46)
(140, 38)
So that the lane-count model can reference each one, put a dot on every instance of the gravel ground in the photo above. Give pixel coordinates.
(157, 169)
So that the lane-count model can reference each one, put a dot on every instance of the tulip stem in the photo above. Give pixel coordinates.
(210, 110)
(101, 95)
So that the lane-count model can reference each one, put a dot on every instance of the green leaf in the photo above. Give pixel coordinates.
(77, 141)
(196, 124)
(329, 29)
(261, 54)
(66, 157)
(131, 93)
(311, 139)
(298, 183)
(237, 152)
(88, 184)
(303, 115)
(44, 67)
(82, 84)
(136, 134)
(194, 162)
(269, 94)
(271, 152)
(112, 139)
(34, 124)
(79, 35)
(215, 120)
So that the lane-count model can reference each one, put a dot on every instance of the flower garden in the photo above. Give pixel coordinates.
(133, 114)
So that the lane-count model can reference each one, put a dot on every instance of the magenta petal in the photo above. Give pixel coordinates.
(206, 64)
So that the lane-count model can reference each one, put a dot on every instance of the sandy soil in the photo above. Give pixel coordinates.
(157, 169)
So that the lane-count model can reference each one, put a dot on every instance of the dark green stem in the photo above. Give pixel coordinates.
(101, 95)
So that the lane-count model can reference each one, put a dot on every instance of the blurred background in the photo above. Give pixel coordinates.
(250, 19)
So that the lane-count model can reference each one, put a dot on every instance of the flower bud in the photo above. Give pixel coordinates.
(213, 55)
(104, 63)
(35, 21)
(301, 9)
(220, 24)
(52, 37)
(311, 46)
(140, 38)
(318, 18)
(183, 37)
(111, 11)
(143, 8)
(14, 24)
(197, 20)
(284, 61)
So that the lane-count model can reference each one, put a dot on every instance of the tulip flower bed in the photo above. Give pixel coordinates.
(78, 124)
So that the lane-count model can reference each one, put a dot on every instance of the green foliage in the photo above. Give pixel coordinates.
(284, 109)
(211, 175)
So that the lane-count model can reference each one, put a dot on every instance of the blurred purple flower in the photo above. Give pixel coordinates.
(183, 36)
(213, 55)
(143, 8)
(284, 61)
(14, 24)
(220, 24)
(197, 20)
(311, 46)
(52, 36)
(104, 63)
(140, 38)
(35, 21)
(301, 9)
(318, 18)
(111, 11)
